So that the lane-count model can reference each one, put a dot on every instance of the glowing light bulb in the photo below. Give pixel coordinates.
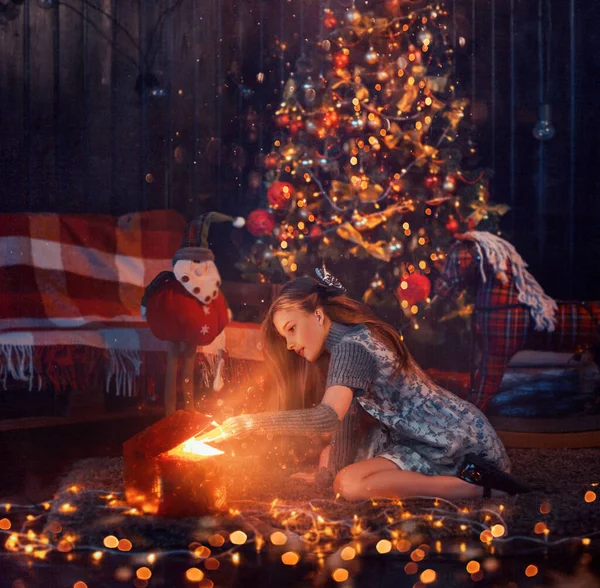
(544, 129)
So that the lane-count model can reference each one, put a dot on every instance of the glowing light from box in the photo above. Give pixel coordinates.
(194, 446)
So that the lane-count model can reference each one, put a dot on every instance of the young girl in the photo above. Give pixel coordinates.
(425, 441)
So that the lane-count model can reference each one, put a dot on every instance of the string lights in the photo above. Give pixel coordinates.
(317, 533)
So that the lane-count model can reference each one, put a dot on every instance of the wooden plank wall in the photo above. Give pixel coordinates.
(78, 137)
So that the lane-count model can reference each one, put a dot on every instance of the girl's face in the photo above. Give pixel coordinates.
(303, 332)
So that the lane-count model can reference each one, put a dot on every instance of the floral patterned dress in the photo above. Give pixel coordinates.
(421, 427)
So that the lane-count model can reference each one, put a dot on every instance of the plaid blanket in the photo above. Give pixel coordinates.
(71, 271)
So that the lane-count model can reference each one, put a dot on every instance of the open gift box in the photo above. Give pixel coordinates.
(169, 473)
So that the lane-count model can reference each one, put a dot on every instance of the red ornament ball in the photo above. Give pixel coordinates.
(340, 60)
(329, 22)
(282, 120)
(414, 288)
(279, 194)
(331, 120)
(316, 232)
(272, 160)
(260, 222)
(449, 184)
(296, 125)
(432, 182)
(452, 226)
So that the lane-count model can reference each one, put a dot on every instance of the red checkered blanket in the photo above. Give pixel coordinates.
(72, 271)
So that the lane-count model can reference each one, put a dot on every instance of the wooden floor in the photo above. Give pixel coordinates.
(570, 432)
(35, 453)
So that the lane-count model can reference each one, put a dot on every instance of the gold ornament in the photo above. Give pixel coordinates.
(382, 76)
(436, 83)
(456, 112)
(361, 92)
(435, 104)
(483, 210)
(464, 310)
(421, 151)
(370, 194)
(410, 95)
(361, 188)
(418, 71)
(377, 250)
(371, 56)
(353, 17)
(370, 221)
(393, 136)
(341, 192)
(290, 89)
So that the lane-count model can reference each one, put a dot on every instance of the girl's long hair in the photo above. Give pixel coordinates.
(301, 384)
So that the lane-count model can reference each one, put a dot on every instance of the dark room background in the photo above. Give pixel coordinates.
(112, 106)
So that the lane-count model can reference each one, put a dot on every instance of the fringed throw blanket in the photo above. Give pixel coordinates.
(112, 359)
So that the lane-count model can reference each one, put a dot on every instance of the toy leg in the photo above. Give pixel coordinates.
(221, 343)
(189, 360)
(219, 382)
(171, 379)
(488, 374)
(487, 380)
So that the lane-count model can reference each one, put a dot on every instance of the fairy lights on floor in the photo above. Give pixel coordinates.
(309, 532)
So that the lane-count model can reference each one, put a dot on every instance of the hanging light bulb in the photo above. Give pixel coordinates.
(544, 129)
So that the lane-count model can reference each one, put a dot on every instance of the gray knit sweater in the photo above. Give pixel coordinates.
(353, 366)
(350, 365)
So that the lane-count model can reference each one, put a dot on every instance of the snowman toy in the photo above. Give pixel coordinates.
(187, 305)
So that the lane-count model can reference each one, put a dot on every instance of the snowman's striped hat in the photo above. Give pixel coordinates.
(194, 246)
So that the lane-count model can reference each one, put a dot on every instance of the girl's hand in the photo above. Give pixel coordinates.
(213, 436)
(237, 426)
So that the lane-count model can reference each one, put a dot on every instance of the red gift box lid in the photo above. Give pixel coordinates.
(168, 433)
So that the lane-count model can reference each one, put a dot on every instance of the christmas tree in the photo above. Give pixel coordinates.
(372, 169)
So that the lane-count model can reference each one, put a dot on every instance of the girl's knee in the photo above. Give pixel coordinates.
(348, 485)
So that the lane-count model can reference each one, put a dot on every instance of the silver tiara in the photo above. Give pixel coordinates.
(328, 278)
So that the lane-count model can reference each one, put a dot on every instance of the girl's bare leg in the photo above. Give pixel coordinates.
(380, 478)
(324, 458)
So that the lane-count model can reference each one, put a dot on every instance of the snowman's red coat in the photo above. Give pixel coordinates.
(173, 314)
